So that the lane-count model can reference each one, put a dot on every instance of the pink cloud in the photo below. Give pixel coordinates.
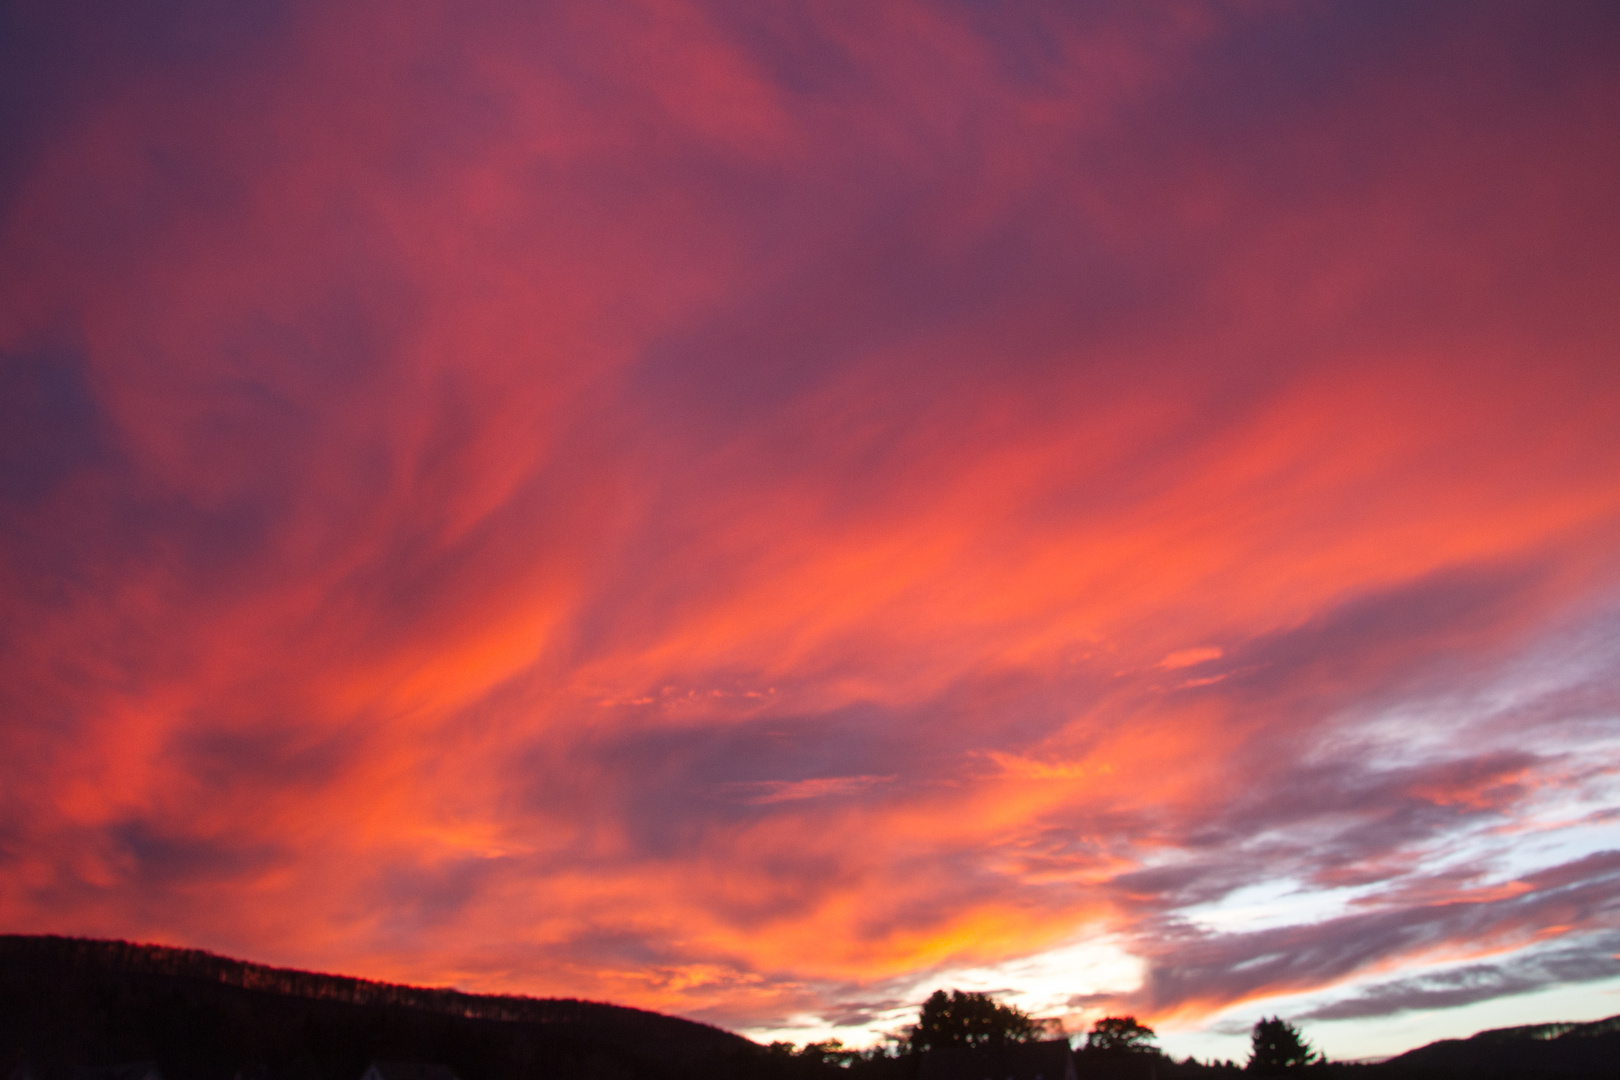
(902, 489)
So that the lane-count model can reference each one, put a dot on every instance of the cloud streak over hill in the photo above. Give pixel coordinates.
(747, 509)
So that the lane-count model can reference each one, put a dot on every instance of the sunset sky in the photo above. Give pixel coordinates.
(761, 510)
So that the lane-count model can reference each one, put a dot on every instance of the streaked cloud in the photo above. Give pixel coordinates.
(757, 512)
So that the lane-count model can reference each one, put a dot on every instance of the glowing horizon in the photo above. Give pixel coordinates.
(760, 511)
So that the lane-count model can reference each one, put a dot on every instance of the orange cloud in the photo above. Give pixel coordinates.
(734, 511)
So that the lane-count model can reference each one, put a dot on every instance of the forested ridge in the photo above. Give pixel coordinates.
(67, 1002)
(110, 957)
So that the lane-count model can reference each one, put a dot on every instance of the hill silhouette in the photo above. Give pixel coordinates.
(1533, 1052)
(72, 1002)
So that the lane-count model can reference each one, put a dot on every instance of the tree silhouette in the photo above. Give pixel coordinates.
(960, 1019)
(1278, 1049)
(1121, 1034)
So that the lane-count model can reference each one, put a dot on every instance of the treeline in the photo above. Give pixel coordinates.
(59, 953)
(960, 1025)
(67, 1003)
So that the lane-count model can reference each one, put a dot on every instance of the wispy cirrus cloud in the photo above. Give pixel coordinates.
(762, 792)
(1586, 960)
(749, 511)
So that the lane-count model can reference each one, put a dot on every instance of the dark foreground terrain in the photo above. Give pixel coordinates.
(67, 1004)
(1521, 1053)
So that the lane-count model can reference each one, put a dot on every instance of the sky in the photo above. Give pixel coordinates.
(762, 510)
